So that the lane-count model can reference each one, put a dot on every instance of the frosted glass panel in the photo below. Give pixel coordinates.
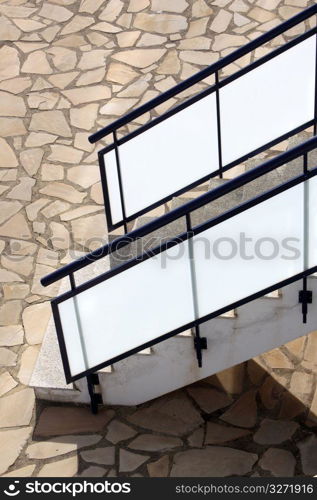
(268, 102)
(311, 228)
(130, 309)
(113, 187)
(170, 155)
(250, 251)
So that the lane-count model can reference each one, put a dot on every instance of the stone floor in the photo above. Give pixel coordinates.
(67, 68)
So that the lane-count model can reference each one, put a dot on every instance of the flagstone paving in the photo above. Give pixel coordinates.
(68, 68)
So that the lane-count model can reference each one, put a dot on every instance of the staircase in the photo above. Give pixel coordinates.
(142, 322)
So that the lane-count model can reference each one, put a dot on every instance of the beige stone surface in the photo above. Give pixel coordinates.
(219, 434)
(103, 456)
(60, 446)
(87, 94)
(150, 442)
(243, 412)
(118, 431)
(280, 463)
(209, 399)
(215, 461)
(35, 319)
(7, 358)
(275, 431)
(11, 444)
(129, 462)
(62, 468)
(27, 364)
(53, 122)
(17, 409)
(6, 383)
(11, 335)
(58, 421)
(159, 468)
(63, 191)
(140, 58)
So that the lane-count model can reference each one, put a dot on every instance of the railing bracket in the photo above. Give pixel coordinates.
(305, 297)
(199, 344)
(95, 397)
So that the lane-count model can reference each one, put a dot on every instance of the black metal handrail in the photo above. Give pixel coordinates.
(201, 75)
(241, 180)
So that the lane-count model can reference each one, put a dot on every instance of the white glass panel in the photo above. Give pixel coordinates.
(234, 270)
(269, 101)
(311, 229)
(170, 155)
(113, 187)
(131, 308)
(72, 339)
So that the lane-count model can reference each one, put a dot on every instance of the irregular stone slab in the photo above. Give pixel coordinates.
(308, 455)
(90, 6)
(201, 9)
(120, 73)
(78, 23)
(10, 312)
(93, 59)
(277, 359)
(60, 420)
(279, 463)
(55, 208)
(93, 76)
(17, 10)
(28, 25)
(17, 409)
(43, 100)
(117, 106)
(7, 157)
(62, 468)
(87, 94)
(196, 439)
(112, 11)
(11, 335)
(160, 23)
(63, 59)
(55, 12)
(11, 127)
(173, 414)
(62, 80)
(23, 191)
(301, 385)
(7, 357)
(230, 380)
(90, 232)
(59, 446)
(60, 236)
(37, 288)
(130, 461)
(215, 461)
(65, 154)
(37, 63)
(8, 32)
(106, 27)
(103, 456)
(166, 5)
(223, 41)
(96, 193)
(147, 39)
(8, 208)
(275, 431)
(197, 57)
(150, 442)
(53, 122)
(35, 320)
(221, 21)
(21, 266)
(63, 191)
(219, 434)
(6, 383)
(127, 39)
(159, 468)
(117, 431)
(35, 139)
(84, 175)
(33, 209)
(208, 399)
(139, 58)
(243, 413)
(93, 471)
(7, 276)
(27, 364)
(26, 471)
(16, 85)
(79, 212)
(11, 444)
(84, 117)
